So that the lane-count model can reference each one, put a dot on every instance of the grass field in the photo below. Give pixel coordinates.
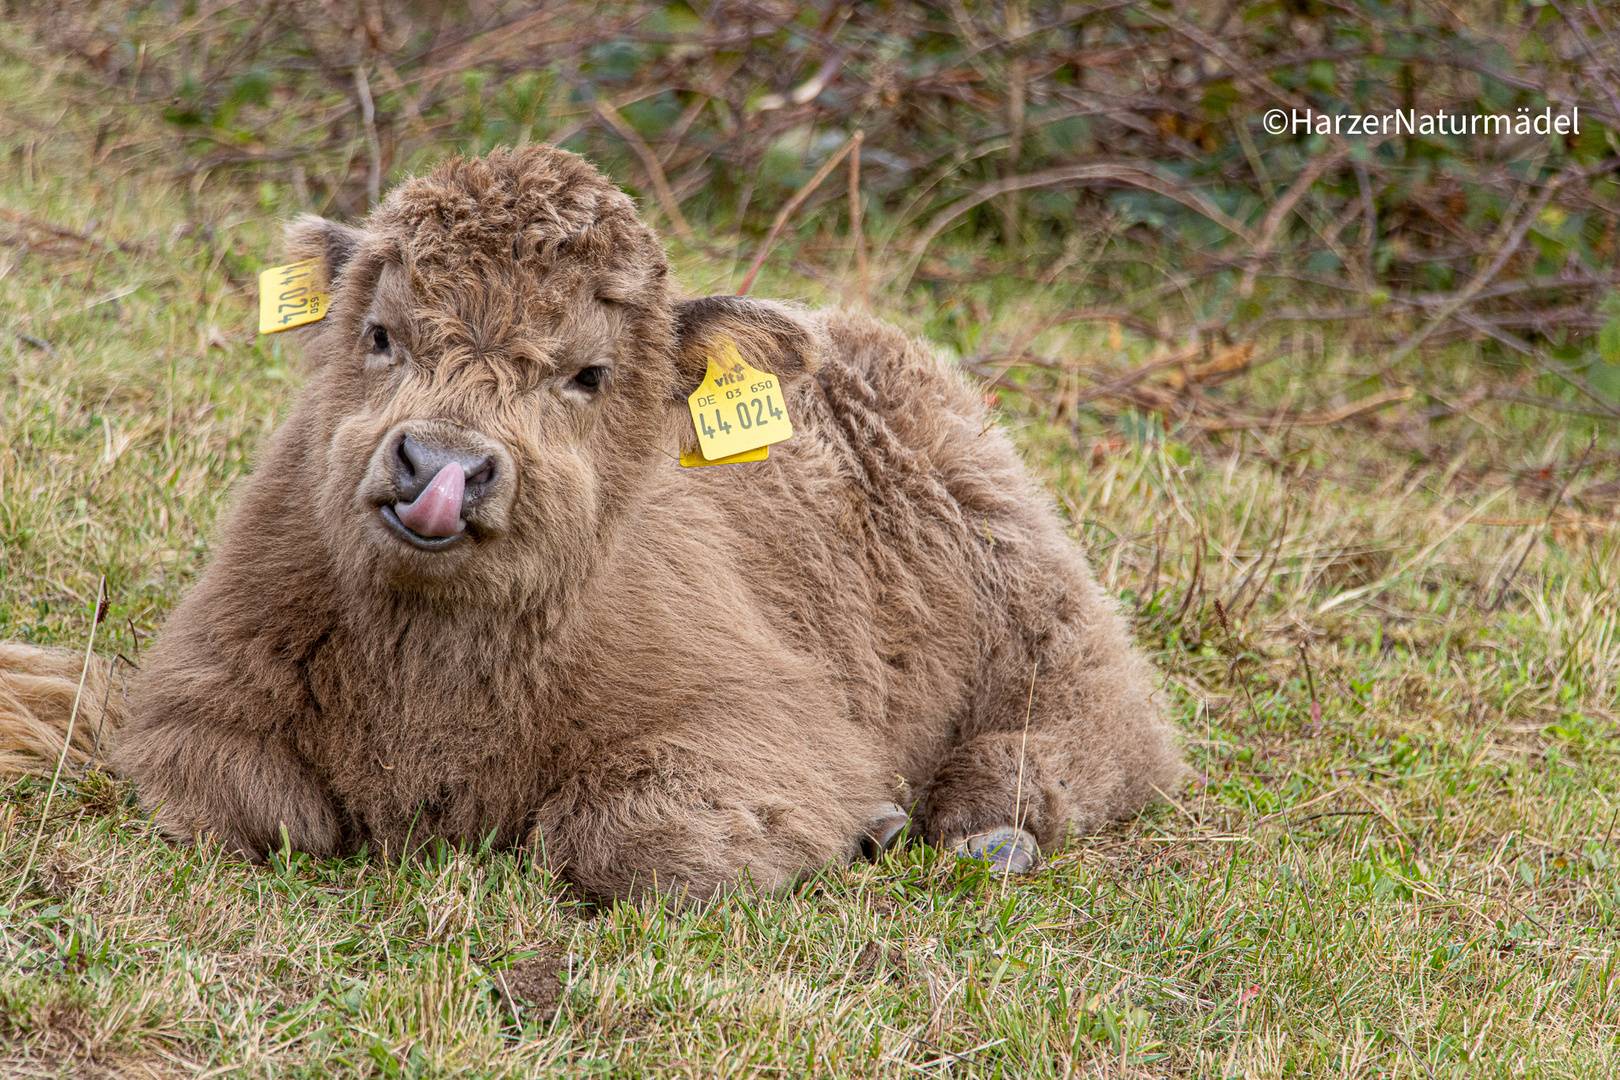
(1400, 854)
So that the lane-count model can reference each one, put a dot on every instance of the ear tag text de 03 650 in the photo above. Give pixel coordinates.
(291, 296)
(738, 410)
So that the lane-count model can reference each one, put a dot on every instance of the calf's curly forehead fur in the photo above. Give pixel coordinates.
(546, 205)
(657, 676)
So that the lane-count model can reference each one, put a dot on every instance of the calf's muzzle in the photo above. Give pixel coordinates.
(437, 486)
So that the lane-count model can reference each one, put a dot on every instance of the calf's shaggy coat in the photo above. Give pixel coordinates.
(652, 674)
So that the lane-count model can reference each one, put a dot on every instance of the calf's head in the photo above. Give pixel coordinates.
(502, 366)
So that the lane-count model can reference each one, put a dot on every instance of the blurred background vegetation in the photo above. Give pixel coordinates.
(1113, 154)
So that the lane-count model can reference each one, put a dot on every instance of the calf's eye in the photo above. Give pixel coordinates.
(590, 378)
(379, 340)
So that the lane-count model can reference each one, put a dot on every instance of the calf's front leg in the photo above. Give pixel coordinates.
(684, 822)
(203, 765)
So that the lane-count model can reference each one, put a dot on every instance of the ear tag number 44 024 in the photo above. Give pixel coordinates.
(291, 296)
(738, 410)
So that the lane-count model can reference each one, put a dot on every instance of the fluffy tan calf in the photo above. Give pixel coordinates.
(469, 591)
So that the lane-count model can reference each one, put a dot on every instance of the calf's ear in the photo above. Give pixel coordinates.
(311, 237)
(771, 336)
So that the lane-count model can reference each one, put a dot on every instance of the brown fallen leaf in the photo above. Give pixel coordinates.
(1225, 364)
(873, 958)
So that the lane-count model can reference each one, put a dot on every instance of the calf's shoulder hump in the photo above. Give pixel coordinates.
(906, 375)
(884, 386)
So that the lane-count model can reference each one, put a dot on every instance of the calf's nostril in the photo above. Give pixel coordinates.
(482, 473)
(406, 457)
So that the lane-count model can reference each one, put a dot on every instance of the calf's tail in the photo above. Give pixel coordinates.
(37, 692)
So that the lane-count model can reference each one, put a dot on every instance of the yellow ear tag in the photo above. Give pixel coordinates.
(290, 296)
(738, 410)
(695, 458)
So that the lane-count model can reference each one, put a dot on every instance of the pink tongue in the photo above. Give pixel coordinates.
(437, 511)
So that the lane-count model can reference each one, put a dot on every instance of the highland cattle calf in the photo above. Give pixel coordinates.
(469, 591)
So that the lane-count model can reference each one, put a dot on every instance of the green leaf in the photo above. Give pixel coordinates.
(1609, 341)
(252, 87)
(1220, 96)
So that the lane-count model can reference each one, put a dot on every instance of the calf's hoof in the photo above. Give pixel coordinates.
(1006, 849)
(888, 824)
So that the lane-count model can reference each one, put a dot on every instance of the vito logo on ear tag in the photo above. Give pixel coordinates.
(291, 296)
(738, 410)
